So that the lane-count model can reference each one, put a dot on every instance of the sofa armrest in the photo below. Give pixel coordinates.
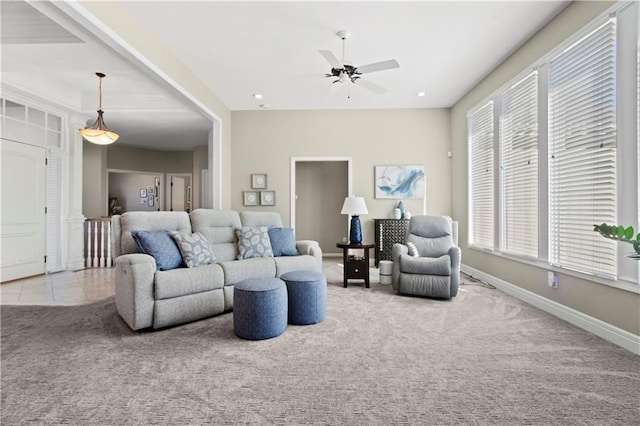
(396, 251)
(312, 248)
(134, 277)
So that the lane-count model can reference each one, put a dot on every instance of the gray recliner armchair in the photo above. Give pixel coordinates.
(435, 271)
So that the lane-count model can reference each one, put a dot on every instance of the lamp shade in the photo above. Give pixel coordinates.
(354, 206)
(98, 133)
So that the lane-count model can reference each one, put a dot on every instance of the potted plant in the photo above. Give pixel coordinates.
(620, 233)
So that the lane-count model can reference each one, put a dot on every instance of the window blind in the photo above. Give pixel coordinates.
(518, 141)
(480, 133)
(582, 152)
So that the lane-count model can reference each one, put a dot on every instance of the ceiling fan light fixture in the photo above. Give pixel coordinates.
(98, 133)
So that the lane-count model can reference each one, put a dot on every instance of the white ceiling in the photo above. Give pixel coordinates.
(239, 48)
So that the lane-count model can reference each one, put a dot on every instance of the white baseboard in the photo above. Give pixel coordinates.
(593, 325)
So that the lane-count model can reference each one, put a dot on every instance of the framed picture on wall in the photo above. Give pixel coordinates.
(143, 193)
(250, 198)
(259, 181)
(267, 198)
(150, 190)
(151, 200)
(399, 182)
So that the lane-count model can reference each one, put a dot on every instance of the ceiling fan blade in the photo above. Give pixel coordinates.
(331, 58)
(378, 66)
(372, 87)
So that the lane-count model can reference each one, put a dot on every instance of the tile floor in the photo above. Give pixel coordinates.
(62, 288)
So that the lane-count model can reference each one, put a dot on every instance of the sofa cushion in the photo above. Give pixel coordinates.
(283, 242)
(194, 248)
(160, 246)
(181, 282)
(148, 221)
(253, 242)
(219, 227)
(268, 219)
(258, 267)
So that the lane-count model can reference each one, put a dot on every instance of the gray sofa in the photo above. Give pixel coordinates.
(147, 298)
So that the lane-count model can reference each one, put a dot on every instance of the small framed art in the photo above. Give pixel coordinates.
(258, 181)
(143, 193)
(250, 198)
(267, 198)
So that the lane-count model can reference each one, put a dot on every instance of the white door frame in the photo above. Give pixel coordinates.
(295, 160)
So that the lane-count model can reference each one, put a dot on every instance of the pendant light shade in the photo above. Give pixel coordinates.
(98, 133)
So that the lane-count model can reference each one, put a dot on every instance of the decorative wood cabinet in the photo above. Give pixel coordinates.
(387, 233)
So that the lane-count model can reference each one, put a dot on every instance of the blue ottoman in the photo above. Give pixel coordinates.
(259, 308)
(307, 296)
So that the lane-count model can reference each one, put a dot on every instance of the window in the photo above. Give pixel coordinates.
(565, 134)
(582, 152)
(519, 167)
(481, 200)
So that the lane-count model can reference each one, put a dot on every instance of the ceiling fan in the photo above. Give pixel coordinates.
(344, 71)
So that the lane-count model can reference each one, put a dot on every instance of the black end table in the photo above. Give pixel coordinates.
(356, 267)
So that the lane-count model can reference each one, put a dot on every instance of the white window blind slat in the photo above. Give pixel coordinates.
(480, 133)
(582, 153)
(518, 142)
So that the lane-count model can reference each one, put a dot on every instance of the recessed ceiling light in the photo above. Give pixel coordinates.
(264, 105)
(257, 95)
(421, 94)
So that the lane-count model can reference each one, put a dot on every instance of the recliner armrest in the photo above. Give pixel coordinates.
(396, 251)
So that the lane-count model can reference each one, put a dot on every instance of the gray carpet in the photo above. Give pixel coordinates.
(378, 358)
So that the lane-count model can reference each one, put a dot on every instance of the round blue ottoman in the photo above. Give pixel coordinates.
(259, 308)
(307, 296)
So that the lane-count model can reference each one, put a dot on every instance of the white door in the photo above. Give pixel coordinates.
(178, 194)
(22, 228)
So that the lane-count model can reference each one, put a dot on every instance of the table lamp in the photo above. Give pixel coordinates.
(354, 206)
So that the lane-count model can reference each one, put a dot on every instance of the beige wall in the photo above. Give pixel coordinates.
(614, 306)
(126, 26)
(149, 160)
(265, 141)
(94, 164)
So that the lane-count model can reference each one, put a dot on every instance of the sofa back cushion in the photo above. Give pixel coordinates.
(124, 243)
(218, 227)
(254, 219)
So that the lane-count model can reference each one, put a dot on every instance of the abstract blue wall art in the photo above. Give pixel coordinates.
(399, 182)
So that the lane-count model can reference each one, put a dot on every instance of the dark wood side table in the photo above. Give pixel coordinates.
(355, 266)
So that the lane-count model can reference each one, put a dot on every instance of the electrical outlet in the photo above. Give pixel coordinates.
(552, 279)
(344, 239)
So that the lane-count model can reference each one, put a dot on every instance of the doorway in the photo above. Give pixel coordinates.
(179, 192)
(319, 186)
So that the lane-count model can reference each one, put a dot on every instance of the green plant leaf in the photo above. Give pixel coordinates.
(628, 233)
(620, 231)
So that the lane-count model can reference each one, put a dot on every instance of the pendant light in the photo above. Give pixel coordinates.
(98, 132)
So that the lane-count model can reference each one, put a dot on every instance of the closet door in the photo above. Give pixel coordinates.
(22, 229)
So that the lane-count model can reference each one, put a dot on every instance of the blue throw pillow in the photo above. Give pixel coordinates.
(283, 242)
(160, 246)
